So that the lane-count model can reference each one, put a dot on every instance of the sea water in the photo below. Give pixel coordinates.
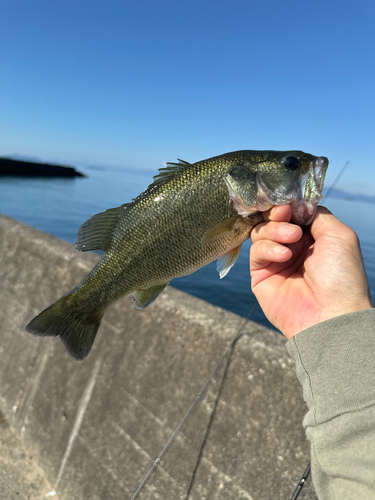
(59, 206)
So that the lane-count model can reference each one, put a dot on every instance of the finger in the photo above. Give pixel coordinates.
(265, 252)
(325, 223)
(278, 213)
(281, 232)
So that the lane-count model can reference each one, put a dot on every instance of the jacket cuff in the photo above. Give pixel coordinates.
(335, 363)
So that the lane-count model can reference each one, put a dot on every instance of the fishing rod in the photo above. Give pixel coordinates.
(202, 392)
(302, 482)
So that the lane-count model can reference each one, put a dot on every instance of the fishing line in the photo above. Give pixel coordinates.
(337, 179)
(218, 397)
(195, 404)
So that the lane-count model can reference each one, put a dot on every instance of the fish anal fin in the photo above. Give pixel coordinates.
(143, 298)
(225, 263)
(220, 230)
(95, 233)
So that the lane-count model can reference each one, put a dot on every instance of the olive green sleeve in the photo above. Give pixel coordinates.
(335, 363)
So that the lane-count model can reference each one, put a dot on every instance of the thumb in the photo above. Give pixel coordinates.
(325, 224)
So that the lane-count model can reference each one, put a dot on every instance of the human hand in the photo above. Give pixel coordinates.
(303, 278)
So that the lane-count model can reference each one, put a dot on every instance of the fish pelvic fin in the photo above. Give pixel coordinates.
(77, 331)
(143, 298)
(225, 263)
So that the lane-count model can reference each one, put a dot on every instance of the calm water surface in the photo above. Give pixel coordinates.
(60, 206)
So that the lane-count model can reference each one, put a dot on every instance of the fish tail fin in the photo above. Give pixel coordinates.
(77, 330)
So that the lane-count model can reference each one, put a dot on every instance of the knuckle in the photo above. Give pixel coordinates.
(351, 236)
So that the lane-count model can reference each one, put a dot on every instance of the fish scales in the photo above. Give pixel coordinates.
(191, 215)
(167, 243)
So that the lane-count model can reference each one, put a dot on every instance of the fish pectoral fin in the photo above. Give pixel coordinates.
(95, 233)
(143, 298)
(220, 230)
(225, 263)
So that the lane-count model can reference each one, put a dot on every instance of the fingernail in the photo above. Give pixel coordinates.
(280, 250)
(287, 230)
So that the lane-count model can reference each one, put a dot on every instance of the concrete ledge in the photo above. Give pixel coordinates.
(96, 427)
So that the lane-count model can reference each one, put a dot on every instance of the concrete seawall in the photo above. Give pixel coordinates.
(95, 428)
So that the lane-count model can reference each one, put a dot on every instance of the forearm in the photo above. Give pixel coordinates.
(335, 364)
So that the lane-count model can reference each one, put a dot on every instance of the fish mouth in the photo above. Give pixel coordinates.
(303, 196)
(309, 193)
(303, 213)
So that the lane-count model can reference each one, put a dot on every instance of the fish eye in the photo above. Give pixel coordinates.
(291, 162)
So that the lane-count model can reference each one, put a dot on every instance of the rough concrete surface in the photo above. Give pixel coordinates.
(20, 476)
(95, 428)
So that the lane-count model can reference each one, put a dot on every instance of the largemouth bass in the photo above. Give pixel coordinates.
(189, 216)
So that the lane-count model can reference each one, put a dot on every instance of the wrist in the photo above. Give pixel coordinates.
(327, 316)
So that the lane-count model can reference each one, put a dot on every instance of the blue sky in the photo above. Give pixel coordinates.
(134, 84)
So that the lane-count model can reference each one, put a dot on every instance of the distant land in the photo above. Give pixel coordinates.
(342, 195)
(12, 167)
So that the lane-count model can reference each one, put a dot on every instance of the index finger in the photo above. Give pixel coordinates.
(278, 213)
(276, 226)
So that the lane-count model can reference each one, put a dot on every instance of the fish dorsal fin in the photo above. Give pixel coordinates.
(164, 175)
(225, 263)
(95, 233)
(143, 298)
(169, 171)
(180, 162)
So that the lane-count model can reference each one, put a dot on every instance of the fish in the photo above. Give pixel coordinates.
(191, 215)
